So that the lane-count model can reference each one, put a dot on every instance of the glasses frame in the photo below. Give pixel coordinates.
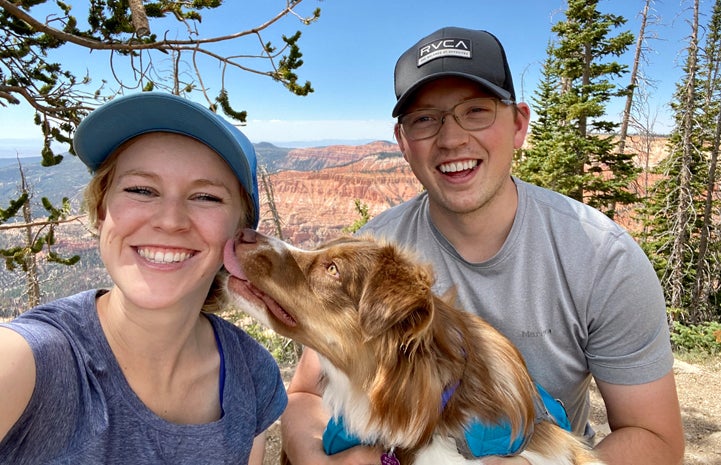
(452, 111)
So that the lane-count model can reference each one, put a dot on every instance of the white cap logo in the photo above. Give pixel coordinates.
(460, 48)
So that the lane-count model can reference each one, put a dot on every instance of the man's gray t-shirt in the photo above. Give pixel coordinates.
(569, 287)
(83, 411)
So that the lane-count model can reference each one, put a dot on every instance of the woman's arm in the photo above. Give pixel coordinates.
(17, 378)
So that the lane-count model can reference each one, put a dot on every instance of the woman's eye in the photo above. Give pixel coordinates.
(138, 190)
(208, 198)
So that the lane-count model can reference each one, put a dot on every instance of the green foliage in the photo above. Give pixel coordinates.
(61, 97)
(362, 209)
(681, 232)
(288, 65)
(704, 338)
(14, 207)
(284, 350)
(222, 99)
(572, 149)
(41, 237)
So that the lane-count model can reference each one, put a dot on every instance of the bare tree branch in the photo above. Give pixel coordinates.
(39, 223)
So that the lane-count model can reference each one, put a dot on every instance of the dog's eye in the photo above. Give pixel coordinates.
(332, 270)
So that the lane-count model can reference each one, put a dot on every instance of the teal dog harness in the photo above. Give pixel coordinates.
(481, 439)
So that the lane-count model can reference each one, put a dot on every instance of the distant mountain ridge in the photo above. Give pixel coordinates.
(70, 176)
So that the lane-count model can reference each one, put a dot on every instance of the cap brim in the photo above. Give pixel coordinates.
(487, 85)
(110, 125)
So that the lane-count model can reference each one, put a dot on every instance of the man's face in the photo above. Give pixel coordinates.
(462, 170)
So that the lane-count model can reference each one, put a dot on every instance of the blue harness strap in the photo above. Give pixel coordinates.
(481, 439)
(555, 411)
(336, 438)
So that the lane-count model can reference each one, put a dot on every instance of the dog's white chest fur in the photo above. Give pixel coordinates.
(442, 450)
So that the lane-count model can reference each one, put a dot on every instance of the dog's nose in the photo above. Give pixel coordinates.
(248, 236)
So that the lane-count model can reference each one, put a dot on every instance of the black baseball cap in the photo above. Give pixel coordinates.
(453, 51)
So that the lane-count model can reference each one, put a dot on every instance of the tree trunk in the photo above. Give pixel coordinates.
(139, 18)
(634, 79)
(676, 259)
(30, 265)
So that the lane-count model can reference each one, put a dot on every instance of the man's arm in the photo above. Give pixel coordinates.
(645, 422)
(304, 420)
(17, 378)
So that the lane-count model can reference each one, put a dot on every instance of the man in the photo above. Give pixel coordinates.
(568, 286)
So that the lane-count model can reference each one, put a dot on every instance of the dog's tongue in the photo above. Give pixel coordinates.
(231, 261)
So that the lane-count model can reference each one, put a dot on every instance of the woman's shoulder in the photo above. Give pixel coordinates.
(57, 320)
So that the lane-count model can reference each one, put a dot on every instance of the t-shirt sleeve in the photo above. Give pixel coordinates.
(258, 372)
(629, 339)
(51, 415)
(270, 391)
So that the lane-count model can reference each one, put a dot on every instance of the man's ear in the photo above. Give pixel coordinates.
(397, 296)
(522, 120)
(400, 140)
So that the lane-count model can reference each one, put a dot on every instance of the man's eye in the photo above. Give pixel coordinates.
(423, 119)
(478, 110)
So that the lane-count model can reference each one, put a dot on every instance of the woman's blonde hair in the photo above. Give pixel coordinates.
(97, 189)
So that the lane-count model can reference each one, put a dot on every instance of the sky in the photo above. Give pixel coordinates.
(349, 55)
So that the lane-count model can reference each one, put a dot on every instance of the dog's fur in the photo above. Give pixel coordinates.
(389, 347)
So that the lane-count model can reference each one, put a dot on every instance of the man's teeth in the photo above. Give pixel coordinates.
(458, 166)
(159, 256)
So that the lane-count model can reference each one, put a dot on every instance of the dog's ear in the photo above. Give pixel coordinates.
(397, 293)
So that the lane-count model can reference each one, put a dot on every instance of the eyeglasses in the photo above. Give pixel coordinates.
(471, 115)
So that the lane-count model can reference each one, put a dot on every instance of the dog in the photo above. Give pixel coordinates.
(403, 368)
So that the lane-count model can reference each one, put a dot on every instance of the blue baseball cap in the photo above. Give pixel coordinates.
(110, 125)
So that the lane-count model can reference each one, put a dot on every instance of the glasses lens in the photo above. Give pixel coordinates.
(471, 115)
(476, 114)
(422, 124)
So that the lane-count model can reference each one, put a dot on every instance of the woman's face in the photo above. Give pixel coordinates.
(170, 208)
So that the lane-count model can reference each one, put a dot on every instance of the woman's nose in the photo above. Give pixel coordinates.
(172, 215)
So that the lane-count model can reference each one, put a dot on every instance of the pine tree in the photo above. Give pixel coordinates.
(574, 146)
(682, 208)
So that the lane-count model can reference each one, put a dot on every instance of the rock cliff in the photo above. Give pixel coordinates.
(316, 204)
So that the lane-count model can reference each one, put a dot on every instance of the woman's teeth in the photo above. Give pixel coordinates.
(159, 256)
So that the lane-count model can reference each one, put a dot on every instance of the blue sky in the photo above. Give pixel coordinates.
(350, 54)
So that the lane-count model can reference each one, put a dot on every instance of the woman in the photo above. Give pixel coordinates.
(139, 373)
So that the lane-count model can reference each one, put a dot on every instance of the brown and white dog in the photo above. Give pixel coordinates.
(390, 348)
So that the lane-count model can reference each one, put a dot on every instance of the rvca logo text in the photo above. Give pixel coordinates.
(443, 48)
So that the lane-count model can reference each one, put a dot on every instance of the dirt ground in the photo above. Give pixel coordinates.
(699, 391)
